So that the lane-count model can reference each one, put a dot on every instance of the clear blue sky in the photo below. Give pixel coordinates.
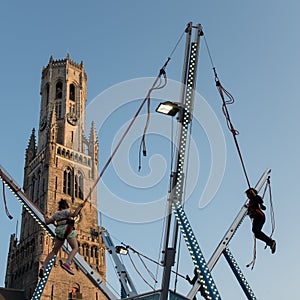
(255, 47)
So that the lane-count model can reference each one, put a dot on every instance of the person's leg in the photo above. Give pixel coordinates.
(57, 245)
(74, 245)
(257, 225)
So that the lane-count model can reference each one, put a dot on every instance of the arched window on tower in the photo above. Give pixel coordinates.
(68, 178)
(72, 92)
(58, 90)
(79, 185)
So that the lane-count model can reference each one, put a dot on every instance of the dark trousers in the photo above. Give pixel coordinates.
(257, 224)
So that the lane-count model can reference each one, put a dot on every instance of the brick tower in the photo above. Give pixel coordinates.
(63, 164)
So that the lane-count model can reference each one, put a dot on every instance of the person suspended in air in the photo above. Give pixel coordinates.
(255, 212)
(64, 222)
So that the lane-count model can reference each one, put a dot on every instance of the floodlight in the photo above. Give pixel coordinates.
(168, 108)
(121, 250)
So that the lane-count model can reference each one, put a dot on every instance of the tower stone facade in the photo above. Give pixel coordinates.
(62, 164)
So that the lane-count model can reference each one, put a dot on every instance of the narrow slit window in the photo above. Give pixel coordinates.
(59, 89)
(72, 92)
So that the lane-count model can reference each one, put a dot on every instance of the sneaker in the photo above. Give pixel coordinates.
(273, 247)
(68, 268)
(42, 272)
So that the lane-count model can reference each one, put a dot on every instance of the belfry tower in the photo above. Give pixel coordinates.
(63, 164)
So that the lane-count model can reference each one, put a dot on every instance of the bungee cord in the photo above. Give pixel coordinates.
(139, 273)
(147, 269)
(162, 72)
(159, 86)
(272, 214)
(142, 148)
(123, 136)
(152, 260)
(5, 204)
(230, 100)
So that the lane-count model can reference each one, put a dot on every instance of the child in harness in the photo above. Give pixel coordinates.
(64, 222)
(255, 212)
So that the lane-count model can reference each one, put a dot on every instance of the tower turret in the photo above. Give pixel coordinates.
(30, 152)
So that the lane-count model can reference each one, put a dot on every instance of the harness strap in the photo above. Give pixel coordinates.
(68, 220)
(69, 229)
(271, 208)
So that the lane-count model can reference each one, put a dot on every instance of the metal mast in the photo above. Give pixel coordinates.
(177, 176)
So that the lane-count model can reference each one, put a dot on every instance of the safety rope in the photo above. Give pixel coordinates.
(234, 132)
(272, 215)
(139, 273)
(4, 199)
(123, 136)
(143, 141)
(152, 260)
(162, 72)
(147, 269)
(252, 263)
(230, 100)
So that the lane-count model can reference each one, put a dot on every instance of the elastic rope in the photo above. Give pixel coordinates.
(4, 199)
(230, 125)
(135, 251)
(252, 263)
(272, 215)
(208, 51)
(162, 71)
(266, 187)
(139, 272)
(123, 136)
(180, 38)
(152, 260)
(143, 141)
(147, 269)
(225, 111)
